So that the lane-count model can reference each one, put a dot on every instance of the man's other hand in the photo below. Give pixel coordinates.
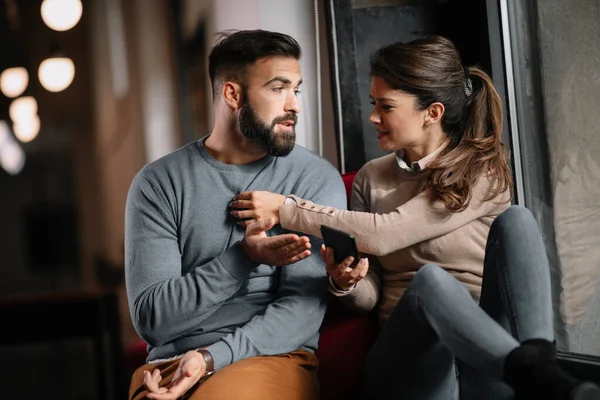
(276, 250)
(191, 368)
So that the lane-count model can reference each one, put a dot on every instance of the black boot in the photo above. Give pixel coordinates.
(533, 372)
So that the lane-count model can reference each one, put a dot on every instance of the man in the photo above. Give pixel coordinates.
(221, 319)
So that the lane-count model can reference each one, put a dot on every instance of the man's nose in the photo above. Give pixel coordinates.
(292, 104)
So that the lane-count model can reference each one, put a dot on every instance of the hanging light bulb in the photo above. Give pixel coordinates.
(27, 129)
(14, 81)
(12, 157)
(23, 108)
(61, 15)
(56, 73)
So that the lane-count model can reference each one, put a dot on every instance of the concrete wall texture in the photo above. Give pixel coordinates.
(569, 34)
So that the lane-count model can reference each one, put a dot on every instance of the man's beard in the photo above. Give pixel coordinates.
(264, 136)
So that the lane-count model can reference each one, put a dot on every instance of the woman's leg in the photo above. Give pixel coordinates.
(437, 316)
(515, 292)
(516, 283)
(435, 319)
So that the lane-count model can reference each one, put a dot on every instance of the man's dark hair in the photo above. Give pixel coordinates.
(236, 50)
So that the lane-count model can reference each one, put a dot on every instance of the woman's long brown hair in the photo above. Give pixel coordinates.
(430, 68)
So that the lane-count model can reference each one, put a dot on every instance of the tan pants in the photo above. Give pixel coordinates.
(290, 376)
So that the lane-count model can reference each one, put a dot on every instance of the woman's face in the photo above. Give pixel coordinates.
(398, 122)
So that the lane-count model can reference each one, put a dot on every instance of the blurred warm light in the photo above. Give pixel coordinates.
(14, 81)
(12, 157)
(4, 132)
(27, 129)
(23, 108)
(56, 73)
(61, 15)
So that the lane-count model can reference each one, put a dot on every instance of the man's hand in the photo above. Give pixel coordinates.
(250, 207)
(342, 275)
(191, 368)
(277, 250)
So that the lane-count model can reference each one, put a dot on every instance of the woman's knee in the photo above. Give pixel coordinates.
(431, 275)
(434, 282)
(514, 220)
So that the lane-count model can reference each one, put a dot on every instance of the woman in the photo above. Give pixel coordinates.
(426, 217)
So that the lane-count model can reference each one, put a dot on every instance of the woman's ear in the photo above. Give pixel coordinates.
(434, 114)
(232, 94)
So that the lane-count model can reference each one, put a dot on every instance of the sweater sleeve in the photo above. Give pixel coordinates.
(294, 317)
(155, 285)
(413, 222)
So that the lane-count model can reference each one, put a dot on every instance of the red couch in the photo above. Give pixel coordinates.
(345, 340)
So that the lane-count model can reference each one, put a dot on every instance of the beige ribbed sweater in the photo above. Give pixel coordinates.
(394, 219)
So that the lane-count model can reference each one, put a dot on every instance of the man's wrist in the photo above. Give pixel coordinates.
(248, 251)
(209, 361)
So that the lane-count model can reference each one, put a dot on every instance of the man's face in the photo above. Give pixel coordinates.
(270, 105)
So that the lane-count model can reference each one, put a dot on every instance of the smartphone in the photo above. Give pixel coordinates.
(343, 244)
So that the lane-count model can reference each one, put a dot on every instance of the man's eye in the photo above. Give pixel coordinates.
(297, 92)
(278, 89)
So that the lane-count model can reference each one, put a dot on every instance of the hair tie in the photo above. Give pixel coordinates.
(468, 84)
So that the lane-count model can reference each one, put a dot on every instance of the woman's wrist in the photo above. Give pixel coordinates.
(290, 200)
(339, 288)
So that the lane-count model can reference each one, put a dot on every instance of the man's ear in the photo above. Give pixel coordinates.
(232, 94)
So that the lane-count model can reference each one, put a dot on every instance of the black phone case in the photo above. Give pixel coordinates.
(343, 244)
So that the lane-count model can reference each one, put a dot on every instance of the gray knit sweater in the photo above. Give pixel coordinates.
(190, 284)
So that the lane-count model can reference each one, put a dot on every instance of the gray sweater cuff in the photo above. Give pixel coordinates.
(221, 353)
(236, 262)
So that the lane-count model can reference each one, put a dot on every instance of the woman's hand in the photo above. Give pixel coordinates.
(249, 207)
(342, 275)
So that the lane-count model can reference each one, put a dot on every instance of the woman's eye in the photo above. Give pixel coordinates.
(382, 106)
